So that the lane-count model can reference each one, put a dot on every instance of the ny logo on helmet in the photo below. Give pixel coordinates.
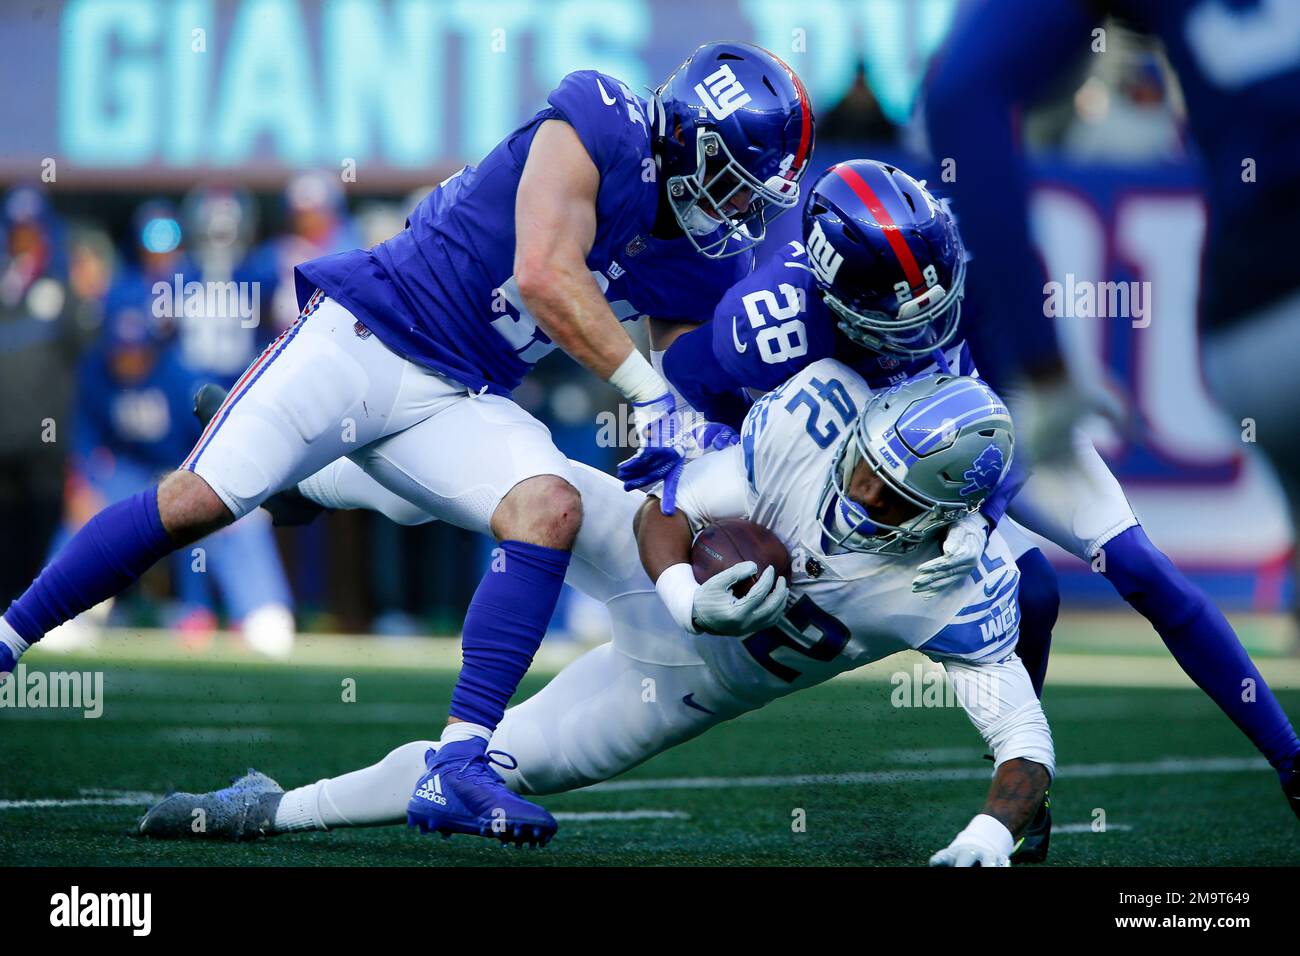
(724, 94)
(984, 471)
(823, 258)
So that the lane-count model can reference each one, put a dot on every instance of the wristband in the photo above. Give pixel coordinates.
(676, 588)
(637, 379)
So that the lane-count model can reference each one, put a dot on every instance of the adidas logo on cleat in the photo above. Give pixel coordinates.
(434, 795)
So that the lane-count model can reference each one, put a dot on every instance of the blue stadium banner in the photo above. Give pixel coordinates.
(396, 86)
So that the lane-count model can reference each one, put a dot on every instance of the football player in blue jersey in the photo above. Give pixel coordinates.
(1238, 67)
(878, 283)
(500, 264)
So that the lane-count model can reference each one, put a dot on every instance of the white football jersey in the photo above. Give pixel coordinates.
(847, 609)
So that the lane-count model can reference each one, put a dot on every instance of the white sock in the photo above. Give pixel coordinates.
(461, 730)
(10, 637)
(297, 809)
(372, 796)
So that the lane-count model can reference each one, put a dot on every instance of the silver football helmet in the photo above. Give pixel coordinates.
(941, 442)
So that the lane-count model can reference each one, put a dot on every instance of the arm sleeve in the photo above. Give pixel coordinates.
(713, 487)
(998, 55)
(715, 393)
(995, 505)
(1000, 701)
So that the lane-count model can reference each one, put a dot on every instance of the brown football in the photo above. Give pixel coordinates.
(733, 540)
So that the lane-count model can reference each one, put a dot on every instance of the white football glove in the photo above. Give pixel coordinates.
(716, 610)
(962, 548)
(984, 842)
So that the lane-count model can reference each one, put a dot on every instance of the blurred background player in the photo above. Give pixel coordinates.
(1238, 65)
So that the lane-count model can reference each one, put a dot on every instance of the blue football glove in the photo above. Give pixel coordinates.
(659, 458)
(715, 436)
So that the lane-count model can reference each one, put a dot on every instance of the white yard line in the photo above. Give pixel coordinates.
(142, 798)
(1167, 766)
(596, 815)
(1059, 828)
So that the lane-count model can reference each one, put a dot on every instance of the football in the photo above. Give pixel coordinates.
(733, 540)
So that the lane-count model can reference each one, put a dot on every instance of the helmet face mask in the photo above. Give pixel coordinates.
(702, 201)
(941, 443)
(848, 525)
(733, 132)
(927, 322)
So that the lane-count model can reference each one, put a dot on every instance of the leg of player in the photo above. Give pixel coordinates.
(1087, 514)
(109, 553)
(1204, 644)
(1040, 601)
(535, 523)
(317, 392)
(603, 714)
(510, 481)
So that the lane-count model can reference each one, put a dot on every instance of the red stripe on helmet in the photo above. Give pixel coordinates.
(805, 125)
(892, 233)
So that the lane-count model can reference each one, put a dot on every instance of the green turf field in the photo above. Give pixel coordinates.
(1177, 783)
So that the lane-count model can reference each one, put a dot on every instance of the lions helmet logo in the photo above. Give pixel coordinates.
(984, 472)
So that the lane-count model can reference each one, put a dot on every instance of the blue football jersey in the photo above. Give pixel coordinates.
(442, 292)
(767, 327)
(773, 324)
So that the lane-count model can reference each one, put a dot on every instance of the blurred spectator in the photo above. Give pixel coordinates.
(318, 224)
(40, 333)
(857, 117)
(133, 423)
(221, 334)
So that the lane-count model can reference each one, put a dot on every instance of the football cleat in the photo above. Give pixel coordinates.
(1290, 789)
(245, 810)
(1033, 843)
(461, 793)
(288, 508)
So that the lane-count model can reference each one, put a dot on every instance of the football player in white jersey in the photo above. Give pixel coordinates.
(858, 488)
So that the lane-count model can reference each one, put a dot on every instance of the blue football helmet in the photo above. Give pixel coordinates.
(943, 443)
(887, 258)
(732, 123)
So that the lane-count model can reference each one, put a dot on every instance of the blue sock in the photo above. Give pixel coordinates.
(1040, 600)
(113, 549)
(504, 626)
(1202, 641)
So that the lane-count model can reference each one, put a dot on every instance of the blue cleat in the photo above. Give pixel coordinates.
(461, 793)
